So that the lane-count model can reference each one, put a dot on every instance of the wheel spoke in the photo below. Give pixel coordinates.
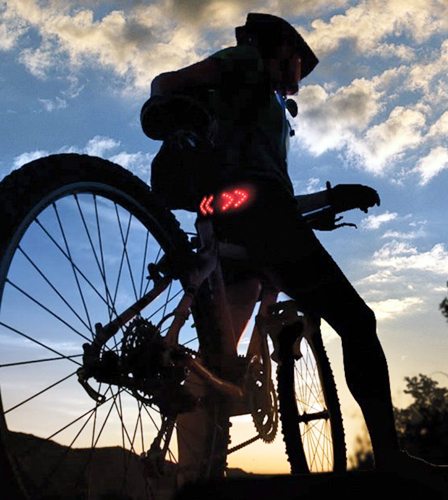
(101, 269)
(67, 248)
(82, 253)
(163, 306)
(315, 420)
(142, 276)
(48, 310)
(124, 240)
(45, 360)
(88, 326)
(155, 262)
(41, 344)
(39, 393)
(38, 444)
(103, 265)
(74, 266)
(60, 460)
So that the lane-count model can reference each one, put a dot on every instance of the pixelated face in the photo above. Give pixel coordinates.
(285, 70)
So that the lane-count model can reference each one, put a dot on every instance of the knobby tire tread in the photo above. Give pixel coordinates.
(24, 189)
(288, 407)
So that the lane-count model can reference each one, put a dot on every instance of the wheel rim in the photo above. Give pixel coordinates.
(314, 417)
(78, 259)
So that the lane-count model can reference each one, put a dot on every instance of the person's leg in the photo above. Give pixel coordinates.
(320, 287)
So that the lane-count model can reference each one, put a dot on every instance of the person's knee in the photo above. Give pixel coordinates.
(359, 325)
(367, 317)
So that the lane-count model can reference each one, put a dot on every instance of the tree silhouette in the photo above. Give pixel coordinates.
(443, 306)
(422, 426)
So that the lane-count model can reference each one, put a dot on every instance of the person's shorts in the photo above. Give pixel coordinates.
(270, 228)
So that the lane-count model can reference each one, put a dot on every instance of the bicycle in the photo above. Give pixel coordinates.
(97, 274)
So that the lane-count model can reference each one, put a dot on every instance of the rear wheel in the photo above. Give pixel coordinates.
(309, 407)
(78, 233)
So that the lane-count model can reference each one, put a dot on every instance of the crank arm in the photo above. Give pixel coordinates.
(223, 386)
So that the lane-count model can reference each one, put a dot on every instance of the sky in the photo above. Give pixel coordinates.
(74, 76)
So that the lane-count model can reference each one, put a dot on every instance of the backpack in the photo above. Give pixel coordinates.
(184, 169)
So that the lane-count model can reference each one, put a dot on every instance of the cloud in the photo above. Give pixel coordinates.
(375, 221)
(139, 163)
(422, 74)
(401, 256)
(432, 164)
(328, 120)
(385, 143)
(402, 235)
(11, 28)
(341, 120)
(379, 277)
(40, 60)
(392, 308)
(98, 146)
(439, 129)
(371, 21)
(136, 43)
(361, 121)
(53, 104)
(312, 185)
(27, 157)
(139, 40)
(229, 13)
(403, 52)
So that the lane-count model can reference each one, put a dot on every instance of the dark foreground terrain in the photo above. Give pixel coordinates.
(104, 479)
(349, 486)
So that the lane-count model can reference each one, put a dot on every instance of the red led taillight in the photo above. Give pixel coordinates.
(232, 200)
(225, 201)
(206, 207)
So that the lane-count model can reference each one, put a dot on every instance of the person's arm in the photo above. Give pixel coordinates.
(204, 73)
(311, 202)
(340, 198)
(319, 209)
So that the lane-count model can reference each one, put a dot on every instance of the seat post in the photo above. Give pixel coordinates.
(221, 311)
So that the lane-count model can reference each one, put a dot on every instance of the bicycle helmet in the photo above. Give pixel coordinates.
(268, 32)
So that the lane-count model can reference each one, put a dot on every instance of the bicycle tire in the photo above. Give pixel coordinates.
(92, 185)
(310, 412)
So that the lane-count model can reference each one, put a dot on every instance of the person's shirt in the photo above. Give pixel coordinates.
(252, 132)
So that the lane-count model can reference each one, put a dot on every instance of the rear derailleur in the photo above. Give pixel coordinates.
(142, 365)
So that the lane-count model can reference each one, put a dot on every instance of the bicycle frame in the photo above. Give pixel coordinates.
(206, 267)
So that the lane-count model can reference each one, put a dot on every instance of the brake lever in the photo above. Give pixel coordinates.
(348, 224)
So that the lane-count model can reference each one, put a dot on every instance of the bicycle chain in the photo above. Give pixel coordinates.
(243, 444)
(233, 449)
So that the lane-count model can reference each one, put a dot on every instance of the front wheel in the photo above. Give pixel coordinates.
(309, 407)
(77, 235)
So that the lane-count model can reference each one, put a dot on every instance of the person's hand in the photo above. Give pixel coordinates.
(343, 197)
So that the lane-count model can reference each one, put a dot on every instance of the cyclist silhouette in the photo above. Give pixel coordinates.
(231, 129)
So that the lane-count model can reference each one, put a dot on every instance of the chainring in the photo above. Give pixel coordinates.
(262, 400)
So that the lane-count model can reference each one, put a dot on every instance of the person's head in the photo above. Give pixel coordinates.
(288, 58)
